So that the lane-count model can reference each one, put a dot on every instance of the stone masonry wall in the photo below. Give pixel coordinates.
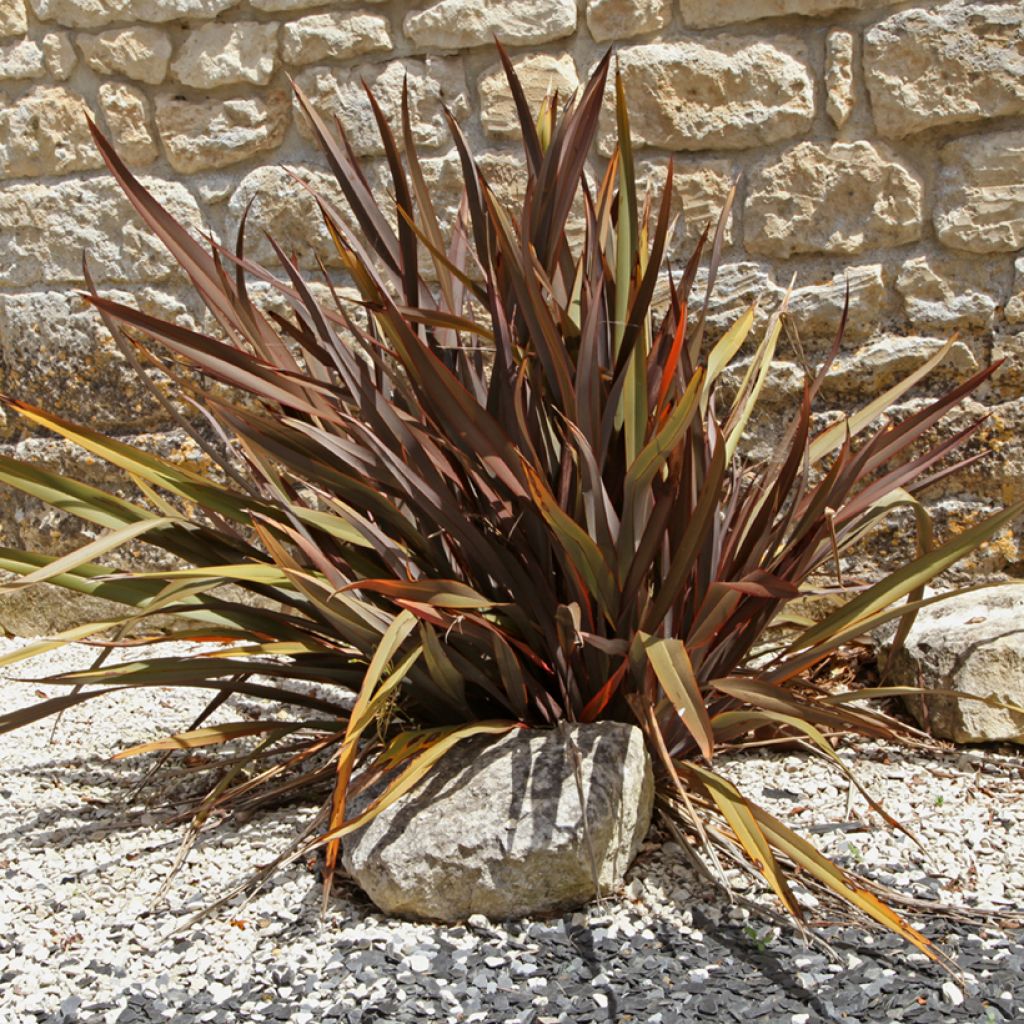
(877, 143)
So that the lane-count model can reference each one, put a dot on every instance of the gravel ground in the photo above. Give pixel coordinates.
(80, 865)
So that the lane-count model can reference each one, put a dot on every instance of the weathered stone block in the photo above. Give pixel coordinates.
(126, 111)
(433, 83)
(839, 76)
(45, 132)
(334, 36)
(453, 24)
(954, 63)
(23, 59)
(621, 19)
(950, 291)
(883, 361)
(1015, 307)
(233, 53)
(141, 53)
(55, 352)
(207, 134)
(721, 93)
(980, 205)
(303, 5)
(539, 74)
(816, 309)
(972, 644)
(843, 198)
(44, 230)
(94, 13)
(499, 827)
(699, 192)
(712, 13)
(13, 20)
(284, 210)
(59, 55)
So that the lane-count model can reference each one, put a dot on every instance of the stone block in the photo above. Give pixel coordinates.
(713, 13)
(13, 18)
(90, 217)
(817, 308)
(141, 53)
(304, 5)
(844, 198)
(233, 53)
(540, 74)
(973, 645)
(433, 83)
(699, 191)
(883, 361)
(96, 13)
(59, 55)
(55, 352)
(126, 112)
(612, 20)
(839, 76)
(980, 203)
(499, 827)
(335, 36)
(460, 24)
(945, 64)
(1014, 311)
(948, 292)
(45, 132)
(23, 59)
(201, 135)
(725, 92)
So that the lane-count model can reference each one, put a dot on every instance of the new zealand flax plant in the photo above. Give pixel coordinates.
(505, 493)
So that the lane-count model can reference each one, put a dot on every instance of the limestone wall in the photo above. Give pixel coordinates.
(877, 142)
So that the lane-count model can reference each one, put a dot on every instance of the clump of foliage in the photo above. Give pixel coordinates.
(504, 493)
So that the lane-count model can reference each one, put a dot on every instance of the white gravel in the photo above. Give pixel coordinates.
(79, 867)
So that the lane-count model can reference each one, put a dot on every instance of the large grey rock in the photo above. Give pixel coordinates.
(974, 644)
(497, 828)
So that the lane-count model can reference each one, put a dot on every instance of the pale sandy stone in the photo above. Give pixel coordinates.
(91, 216)
(883, 361)
(539, 75)
(23, 59)
(234, 53)
(610, 20)
(980, 205)
(59, 54)
(454, 24)
(433, 83)
(699, 192)
(56, 352)
(949, 291)
(95, 13)
(720, 93)
(207, 134)
(843, 198)
(712, 13)
(334, 36)
(45, 132)
(839, 76)
(302, 5)
(737, 286)
(951, 64)
(13, 20)
(816, 309)
(1015, 307)
(140, 52)
(126, 110)
(284, 210)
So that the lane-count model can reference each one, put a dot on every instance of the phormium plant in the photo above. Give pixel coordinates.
(506, 493)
